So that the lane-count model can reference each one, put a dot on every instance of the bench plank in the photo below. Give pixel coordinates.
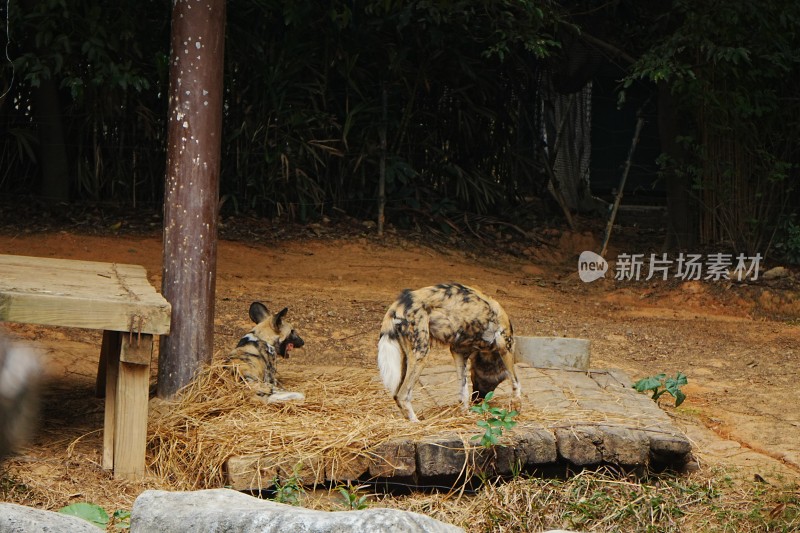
(81, 294)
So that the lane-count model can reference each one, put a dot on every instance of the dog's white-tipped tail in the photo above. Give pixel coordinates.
(390, 363)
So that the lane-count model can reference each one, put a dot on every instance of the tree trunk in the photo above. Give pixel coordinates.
(682, 216)
(192, 189)
(52, 150)
(382, 163)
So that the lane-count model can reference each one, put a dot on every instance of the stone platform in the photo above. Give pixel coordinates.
(569, 417)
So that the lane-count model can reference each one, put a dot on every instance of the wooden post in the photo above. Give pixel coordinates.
(192, 189)
(109, 362)
(130, 406)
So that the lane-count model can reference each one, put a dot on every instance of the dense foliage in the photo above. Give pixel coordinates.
(441, 99)
(101, 68)
(734, 68)
(310, 94)
(437, 89)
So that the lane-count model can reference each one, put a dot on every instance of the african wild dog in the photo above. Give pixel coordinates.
(475, 327)
(253, 359)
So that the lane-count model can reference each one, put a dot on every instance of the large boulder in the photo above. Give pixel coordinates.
(234, 512)
(20, 519)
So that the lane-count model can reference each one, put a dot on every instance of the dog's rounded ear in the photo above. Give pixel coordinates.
(258, 312)
(278, 318)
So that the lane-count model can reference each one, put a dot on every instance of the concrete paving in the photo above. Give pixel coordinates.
(580, 417)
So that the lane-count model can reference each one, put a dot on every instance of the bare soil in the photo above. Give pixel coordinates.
(738, 343)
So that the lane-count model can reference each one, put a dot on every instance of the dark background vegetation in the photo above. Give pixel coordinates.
(446, 94)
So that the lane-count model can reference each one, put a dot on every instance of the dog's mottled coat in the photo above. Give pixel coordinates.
(253, 360)
(473, 325)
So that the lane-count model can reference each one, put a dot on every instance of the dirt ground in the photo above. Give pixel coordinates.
(739, 344)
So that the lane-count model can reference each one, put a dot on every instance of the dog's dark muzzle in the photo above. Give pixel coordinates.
(290, 343)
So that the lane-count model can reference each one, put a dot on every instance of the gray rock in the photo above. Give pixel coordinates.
(20, 519)
(233, 512)
(775, 273)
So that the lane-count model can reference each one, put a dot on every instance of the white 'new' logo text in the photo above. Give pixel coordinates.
(591, 266)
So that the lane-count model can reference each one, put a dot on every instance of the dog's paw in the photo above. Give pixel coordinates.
(285, 396)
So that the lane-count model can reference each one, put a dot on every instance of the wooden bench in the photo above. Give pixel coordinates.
(115, 298)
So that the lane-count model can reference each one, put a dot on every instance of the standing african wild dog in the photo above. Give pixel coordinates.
(253, 359)
(474, 325)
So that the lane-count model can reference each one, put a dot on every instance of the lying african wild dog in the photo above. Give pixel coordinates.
(475, 327)
(254, 357)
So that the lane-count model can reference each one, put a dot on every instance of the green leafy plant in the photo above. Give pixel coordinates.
(660, 383)
(91, 512)
(788, 239)
(495, 421)
(353, 499)
(289, 490)
(121, 519)
(97, 516)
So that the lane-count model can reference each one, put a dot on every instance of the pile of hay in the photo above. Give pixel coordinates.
(346, 415)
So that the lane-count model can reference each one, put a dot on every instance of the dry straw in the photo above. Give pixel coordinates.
(345, 417)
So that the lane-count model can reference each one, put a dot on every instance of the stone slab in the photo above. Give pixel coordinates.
(552, 352)
(396, 458)
(250, 472)
(568, 416)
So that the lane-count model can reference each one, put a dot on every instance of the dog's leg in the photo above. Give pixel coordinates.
(403, 397)
(461, 370)
(416, 346)
(508, 361)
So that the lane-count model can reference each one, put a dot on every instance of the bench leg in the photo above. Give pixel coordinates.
(133, 390)
(127, 394)
(100, 382)
(109, 368)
